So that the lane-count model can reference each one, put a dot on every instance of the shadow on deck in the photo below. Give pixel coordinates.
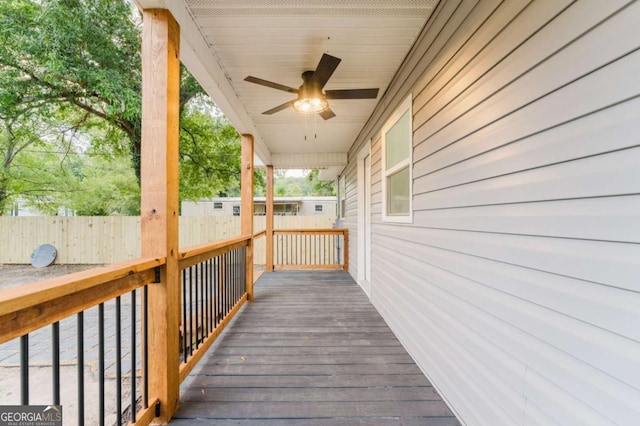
(311, 350)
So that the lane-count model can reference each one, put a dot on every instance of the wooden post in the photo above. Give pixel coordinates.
(246, 206)
(345, 250)
(159, 200)
(269, 217)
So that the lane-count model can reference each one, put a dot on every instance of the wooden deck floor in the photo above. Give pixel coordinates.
(311, 350)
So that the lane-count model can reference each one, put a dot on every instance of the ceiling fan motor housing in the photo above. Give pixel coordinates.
(309, 89)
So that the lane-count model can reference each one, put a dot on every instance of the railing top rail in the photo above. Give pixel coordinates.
(32, 306)
(197, 254)
(310, 231)
(260, 234)
(17, 298)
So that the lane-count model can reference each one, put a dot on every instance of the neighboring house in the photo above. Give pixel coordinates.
(283, 206)
(21, 208)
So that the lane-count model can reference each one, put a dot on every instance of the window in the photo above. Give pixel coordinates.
(217, 205)
(397, 150)
(319, 208)
(236, 210)
(343, 196)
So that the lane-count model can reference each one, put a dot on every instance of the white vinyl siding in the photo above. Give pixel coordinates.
(517, 287)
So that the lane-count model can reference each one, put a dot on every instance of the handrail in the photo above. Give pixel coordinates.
(311, 231)
(29, 307)
(199, 253)
(307, 248)
(220, 294)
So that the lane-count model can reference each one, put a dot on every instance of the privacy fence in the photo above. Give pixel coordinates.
(109, 239)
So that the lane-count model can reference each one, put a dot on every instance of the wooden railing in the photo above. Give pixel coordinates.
(214, 286)
(89, 296)
(311, 249)
(213, 290)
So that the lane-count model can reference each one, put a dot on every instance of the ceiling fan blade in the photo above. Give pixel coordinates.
(278, 108)
(325, 69)
(352, 94)
(271, 84)
(327, 114)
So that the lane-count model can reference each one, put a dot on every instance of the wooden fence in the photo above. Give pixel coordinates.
(109, 239)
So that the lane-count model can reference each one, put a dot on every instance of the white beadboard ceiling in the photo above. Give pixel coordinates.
(224, 41)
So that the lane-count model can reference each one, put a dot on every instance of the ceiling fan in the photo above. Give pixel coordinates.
(310, 96)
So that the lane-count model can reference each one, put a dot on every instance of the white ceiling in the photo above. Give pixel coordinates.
(224, 41)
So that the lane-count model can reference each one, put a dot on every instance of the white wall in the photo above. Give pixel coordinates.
(517, 287)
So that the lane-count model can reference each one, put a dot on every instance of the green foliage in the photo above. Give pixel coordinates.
(209, 155)
(321, 187)
(103, 186)
(17, 137)
(70, 78)
(52, 171)
(80, 53)
(288, 186)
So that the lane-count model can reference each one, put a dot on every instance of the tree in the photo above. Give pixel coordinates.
(19, 136)
(57, 168)
(79, 53)
(103, 187)
(321, 187)
(310, 185)
(78, 62)
(209, 155)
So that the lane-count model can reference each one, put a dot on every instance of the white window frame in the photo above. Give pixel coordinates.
(343, 196)
(217, 205)
(316, 211)
(405, 106)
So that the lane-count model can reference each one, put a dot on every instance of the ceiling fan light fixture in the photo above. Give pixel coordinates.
(310, 96)
(310, 105)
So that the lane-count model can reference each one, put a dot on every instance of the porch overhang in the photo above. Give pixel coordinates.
(223, 41)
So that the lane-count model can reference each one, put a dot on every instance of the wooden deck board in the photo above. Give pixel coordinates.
(311, 359)
(424, 393)
(310, 350)
(342, 421)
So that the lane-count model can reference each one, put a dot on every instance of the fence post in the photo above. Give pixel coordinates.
(159, 200)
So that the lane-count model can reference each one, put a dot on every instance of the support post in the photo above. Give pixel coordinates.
(159, 200)
(345, 250)
(269, 217)
(246, 206)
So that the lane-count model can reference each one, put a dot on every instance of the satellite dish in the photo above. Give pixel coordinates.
(43, 255)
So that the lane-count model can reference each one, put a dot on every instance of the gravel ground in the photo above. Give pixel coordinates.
(15, 275)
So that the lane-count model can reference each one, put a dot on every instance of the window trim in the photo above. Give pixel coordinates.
(342, 203)
(315, 209)
(406, 105)
(218, 205)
